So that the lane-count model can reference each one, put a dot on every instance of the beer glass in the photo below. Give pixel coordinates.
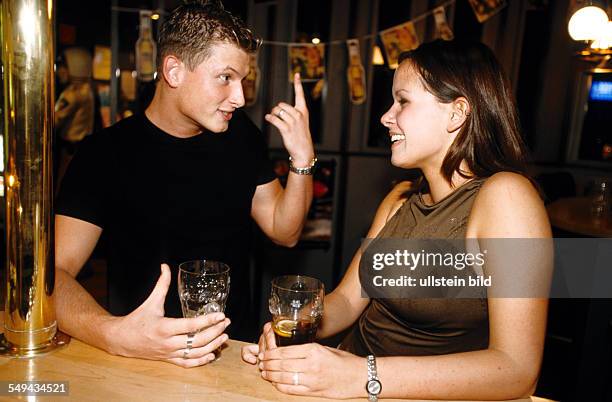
(296, 305)
(203, 286)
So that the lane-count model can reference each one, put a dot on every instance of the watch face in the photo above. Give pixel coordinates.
(374, 387)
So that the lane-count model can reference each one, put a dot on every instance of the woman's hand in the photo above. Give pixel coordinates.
(293, 124)
(314, 370)
(251, 352)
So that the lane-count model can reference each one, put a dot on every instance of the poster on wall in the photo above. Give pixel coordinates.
(485, 9)
(398, 39)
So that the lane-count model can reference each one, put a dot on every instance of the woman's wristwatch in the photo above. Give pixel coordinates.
(373, 386)
(308, 170)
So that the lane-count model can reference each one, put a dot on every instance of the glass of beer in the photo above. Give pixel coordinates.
(296, 305)
(203, 286)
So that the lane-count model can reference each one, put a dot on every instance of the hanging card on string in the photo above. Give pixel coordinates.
(485, 9)
(443, 31)
(398, 39)
(355, 73)
(146, 49)
(308, 60)
(250, 84)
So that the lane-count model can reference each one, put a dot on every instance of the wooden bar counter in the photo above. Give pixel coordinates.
(94, 375)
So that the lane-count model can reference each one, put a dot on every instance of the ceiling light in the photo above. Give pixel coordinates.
(587, 23)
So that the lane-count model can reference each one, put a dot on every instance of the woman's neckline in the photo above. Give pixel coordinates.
(448, 196)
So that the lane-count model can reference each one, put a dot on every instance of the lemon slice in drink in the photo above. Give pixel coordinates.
(285, 328)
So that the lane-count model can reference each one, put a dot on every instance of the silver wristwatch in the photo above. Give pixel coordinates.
(373, 386)
(308, 170)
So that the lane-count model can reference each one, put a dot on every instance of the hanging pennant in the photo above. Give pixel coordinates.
(250, 84)
(485, 9)
(146, 49)
(355, 73)
(397, 40)
(442, 29)
(308, 60)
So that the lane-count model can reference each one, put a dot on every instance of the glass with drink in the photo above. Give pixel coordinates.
(203, 286)
(296, 305)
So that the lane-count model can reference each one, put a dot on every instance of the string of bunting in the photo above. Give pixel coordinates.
(309, 59)
(369, 36)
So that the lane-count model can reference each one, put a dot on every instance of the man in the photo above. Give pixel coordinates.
(180, 182)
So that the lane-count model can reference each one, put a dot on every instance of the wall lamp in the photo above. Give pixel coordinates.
(591, 24)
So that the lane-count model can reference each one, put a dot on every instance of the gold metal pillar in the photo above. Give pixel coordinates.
(27, 55)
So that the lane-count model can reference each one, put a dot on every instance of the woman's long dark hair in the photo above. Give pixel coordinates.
(489, 140)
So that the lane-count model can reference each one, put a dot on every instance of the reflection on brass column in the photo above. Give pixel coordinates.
(27, 57)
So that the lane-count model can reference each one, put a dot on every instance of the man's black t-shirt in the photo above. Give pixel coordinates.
(160, 198)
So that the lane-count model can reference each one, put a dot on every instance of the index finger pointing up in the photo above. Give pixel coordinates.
(300, 101)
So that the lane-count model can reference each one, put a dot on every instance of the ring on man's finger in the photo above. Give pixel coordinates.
(296, 378)
(189, 345)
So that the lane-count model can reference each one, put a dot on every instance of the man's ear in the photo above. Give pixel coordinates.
(459, 112)
(173, 70)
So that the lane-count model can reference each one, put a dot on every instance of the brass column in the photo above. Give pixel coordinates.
(27, 55)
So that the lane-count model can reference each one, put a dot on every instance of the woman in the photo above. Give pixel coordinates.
(452, 117)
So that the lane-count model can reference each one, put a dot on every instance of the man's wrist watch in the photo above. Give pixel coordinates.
(373, 386)
(308, 170)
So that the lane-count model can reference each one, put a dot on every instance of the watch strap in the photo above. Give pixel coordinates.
(308, 170)
(372, 374)
(372, 377)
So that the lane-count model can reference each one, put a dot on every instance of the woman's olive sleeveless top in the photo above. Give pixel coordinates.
(422, 326)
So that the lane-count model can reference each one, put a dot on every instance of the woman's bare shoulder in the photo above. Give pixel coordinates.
(509, 186)
(397, 196)
(389, 206)
(508, 205)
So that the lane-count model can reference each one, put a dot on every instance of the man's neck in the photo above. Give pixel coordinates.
(164, 114)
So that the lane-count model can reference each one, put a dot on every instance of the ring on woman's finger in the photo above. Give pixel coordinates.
(280, 114)
(296, 378)
(189, 345)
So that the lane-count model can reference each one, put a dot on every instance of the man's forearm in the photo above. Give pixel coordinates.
(292, 208)
(79, 315)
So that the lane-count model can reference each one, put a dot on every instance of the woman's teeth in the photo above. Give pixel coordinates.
(397, 137)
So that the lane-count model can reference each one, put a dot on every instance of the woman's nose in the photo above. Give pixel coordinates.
(388, 119)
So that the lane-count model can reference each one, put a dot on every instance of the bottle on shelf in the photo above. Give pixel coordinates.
(601, 199)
